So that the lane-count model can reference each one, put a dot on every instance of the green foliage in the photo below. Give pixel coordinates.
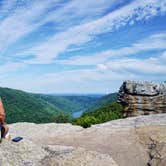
(62, 118)
(86, 121)
(60, 102)
(103, 101)
(21, 106)
(103, 114)
(25, 107)
(69, 104)
(82, 102)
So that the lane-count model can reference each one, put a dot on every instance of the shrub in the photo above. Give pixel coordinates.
(62, 118)
(86, 121)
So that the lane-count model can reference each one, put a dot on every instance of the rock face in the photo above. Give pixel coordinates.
(26, 153)
(143, 98)
(135, 141)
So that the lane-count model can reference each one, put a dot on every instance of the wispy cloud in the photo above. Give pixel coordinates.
(153, 43)
(10, 67)
(28, 16)
(66, 27)
(75, 12)
(83, 30)
(105, 78)
(81, 34)
(20, 22)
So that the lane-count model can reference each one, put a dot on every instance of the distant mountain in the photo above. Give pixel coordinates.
(22, 106)
(83, 102)
(77, 94)
(103, 101)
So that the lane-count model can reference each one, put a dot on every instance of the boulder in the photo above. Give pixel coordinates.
(142, 98)
(133, 141)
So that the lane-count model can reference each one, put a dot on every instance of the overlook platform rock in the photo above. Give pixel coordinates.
(135, 141)
(143, 98)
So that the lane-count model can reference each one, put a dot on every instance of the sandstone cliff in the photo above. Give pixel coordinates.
(134, 141)
(143, 98)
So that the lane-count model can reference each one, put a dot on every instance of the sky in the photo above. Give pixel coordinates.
(75, 46)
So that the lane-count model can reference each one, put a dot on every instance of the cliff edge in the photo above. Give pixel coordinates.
(125, 142)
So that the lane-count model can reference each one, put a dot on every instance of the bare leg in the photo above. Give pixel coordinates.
(6, 129)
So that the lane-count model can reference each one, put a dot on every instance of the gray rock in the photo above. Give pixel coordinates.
(70, 156)
(134, 141)
(18, 154)
(142, 98)
(141, 88)
(26, 153)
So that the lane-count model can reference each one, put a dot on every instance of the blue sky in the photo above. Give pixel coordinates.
(74, 46)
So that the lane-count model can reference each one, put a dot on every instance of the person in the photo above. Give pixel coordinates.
(3, 125)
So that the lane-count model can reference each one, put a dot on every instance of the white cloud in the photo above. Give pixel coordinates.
(81, 34)
(73, 81)
(107, 70)
(75, 12)
(153, 43)
(12, 29)
(10, 67)
(88, 80)
(102, 67)
(19, 20)
(146, 66)
(163, 57)
(23, 20)
(106, 77)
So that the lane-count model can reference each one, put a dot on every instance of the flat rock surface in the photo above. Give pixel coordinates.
(69, 156)
(26, 153)
(22, 153)
(124, 142)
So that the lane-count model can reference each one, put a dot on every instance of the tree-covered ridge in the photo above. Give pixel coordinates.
(25, 107)
(69, 104)
(103, 101)
(103, 114)
(105, 109)
(83, 102)
(58, 101)
(21, 106)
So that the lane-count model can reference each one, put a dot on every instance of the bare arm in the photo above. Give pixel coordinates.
(2, 112)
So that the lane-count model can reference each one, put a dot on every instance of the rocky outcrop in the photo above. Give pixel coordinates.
(142, 98)
(26, 153)
(136, 141)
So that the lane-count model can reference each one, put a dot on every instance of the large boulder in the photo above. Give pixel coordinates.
(134, 141)
(142, 98)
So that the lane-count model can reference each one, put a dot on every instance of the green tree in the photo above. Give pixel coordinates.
(101, 115)
(62, 118)
(86, 121)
